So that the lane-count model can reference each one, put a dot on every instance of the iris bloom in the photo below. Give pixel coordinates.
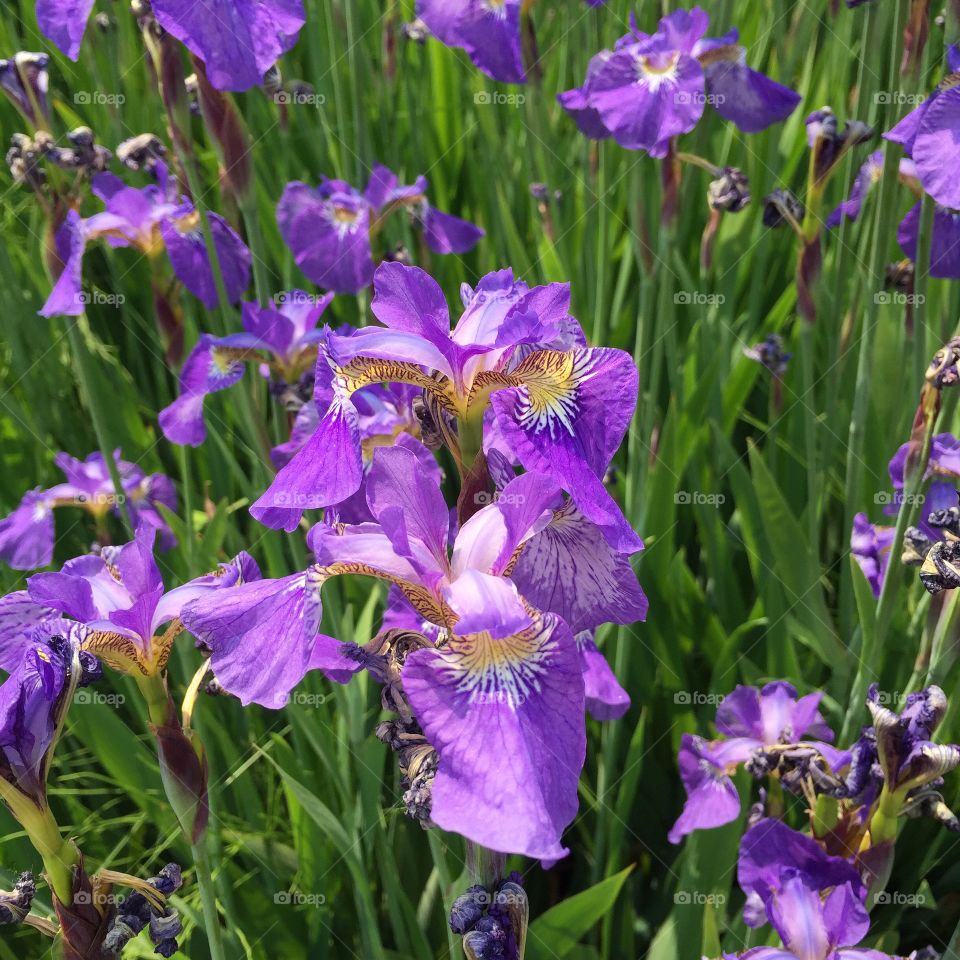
(870, 543)
(150, 219)
(652, 88)
(27, 536)
(561, 409)
(500, 696)
(33, 700)
(945, 244)
(813, 901)
(286, 331)
(749, 720)
(113, 603)
(238, 40)
(929, 135)
(329, 229)
(487, 30)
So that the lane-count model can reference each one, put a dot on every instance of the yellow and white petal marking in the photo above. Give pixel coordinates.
(653, 72)
(506, 671)
(362, 372)
(548, 398)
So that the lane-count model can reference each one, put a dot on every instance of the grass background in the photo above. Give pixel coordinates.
(750, 580)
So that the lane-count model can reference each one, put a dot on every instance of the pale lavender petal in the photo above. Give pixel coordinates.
(796, 914)
(506, 718)
(486, 604)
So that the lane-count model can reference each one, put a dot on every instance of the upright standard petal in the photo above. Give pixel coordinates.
(506, 719)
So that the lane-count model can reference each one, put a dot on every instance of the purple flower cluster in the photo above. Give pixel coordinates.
(814, 888)
(27, 534)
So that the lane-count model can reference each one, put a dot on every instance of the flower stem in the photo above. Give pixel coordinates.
(85, 378)
(208, 898)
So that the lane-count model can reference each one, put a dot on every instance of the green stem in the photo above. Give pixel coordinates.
(258, 249)
(443, 874)
(85, 378)
(208, 898)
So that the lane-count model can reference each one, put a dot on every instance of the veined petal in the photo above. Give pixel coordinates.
(569, 569)
(19, 615)
(796, 913)
(506, 719)
(64, 22)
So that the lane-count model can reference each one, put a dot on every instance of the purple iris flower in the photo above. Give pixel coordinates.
(114, 603)
(930, 135)
(329, 229)
(150, 219)
(561, 412)
(815, 902)
(287, 331)
(27, 536)
(771, 853)
(487, 30)
(23, 78)
(652, 88)
(906, 751)
(945, 240)
(32, 701)
(870, 545)
(750, 720)
(238, 40)
(501, 700)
